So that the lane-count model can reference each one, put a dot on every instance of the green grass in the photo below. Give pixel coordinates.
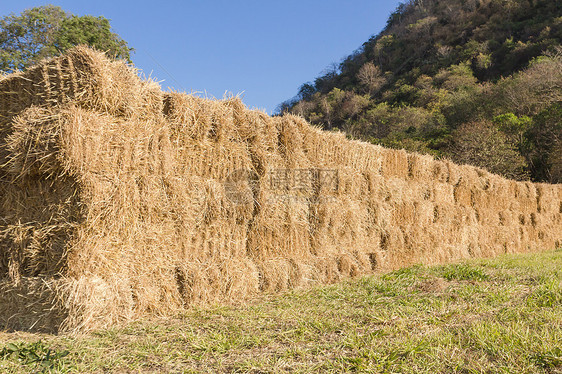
(488, 316)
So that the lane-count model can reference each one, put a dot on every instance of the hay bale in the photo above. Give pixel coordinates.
(395, 163)
(118, 201)
(82, 76)
(31, 304)
(419, 167)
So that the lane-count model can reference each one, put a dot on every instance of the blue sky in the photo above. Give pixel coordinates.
(262, 49)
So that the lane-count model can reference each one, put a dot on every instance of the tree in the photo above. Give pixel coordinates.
(28, 38)
(514, 127)
(306, 91)
(535, 88)
(483, 145)
(370, 77)
(555, 163)
(545, 137)
(93, 31)
(48, 31)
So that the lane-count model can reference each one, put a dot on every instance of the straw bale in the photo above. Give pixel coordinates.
(455, 172)
(443, 193)
(324, 149)
(119, 201)
(440, 171)
(216, 280)
(395, 163)
(364, 157)
(419, 166)
(84, 76)
(424, 213)
(526, 194)
(506, 218)
(37, 222)
(444, 213)
(463, 194)
(547, 196)
(31, 304)
(280, 273)
(404, 212)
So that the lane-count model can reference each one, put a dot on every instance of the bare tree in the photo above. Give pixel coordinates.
(482, 145)
(537, 87)
(371, 78)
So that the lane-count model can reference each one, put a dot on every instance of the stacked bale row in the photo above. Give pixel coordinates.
(119, 201)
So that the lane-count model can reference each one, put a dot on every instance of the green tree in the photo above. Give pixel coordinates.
(48, 31)
(514, 127)
(92, 31)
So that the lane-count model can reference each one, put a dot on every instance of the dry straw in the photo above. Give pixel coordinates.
(116, 201)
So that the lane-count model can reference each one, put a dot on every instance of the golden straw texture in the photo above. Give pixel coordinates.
(119, 201)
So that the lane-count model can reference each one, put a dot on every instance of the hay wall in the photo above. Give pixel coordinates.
(118, 201)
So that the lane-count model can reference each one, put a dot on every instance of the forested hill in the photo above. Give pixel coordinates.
(477, 81)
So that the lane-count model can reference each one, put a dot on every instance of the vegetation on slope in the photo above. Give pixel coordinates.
(477, 81)
(495, 316)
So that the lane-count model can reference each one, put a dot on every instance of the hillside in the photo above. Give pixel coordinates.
(477, 81)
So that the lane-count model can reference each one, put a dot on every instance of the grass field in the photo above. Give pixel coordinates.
(486, 316)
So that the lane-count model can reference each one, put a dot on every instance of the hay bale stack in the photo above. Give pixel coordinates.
(119, 201)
